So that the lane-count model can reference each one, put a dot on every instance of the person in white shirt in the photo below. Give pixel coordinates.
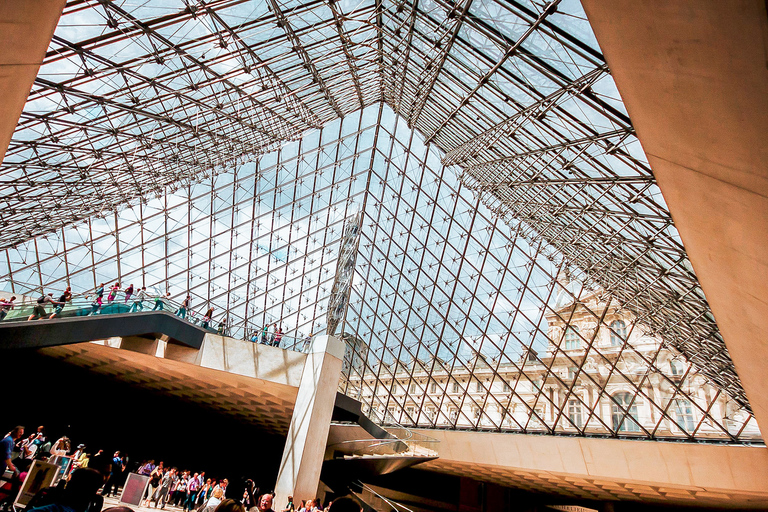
(138, 301)
(6, 306)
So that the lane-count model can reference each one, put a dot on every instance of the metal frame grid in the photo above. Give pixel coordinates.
(193, 101)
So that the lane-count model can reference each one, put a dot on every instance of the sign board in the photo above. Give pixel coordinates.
(64, 462)
(40, 476)
(134, 489)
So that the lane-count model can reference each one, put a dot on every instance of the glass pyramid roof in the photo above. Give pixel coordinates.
(218, 147)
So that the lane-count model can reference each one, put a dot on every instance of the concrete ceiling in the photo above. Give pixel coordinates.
(27, 28)
(259, 402)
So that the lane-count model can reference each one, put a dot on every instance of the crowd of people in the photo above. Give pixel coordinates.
(270, 334)
(136, 298)
(92, 477)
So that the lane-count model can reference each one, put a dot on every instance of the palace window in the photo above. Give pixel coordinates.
(684, 415)
(574, 413)
(618, 333)
(572, 340)
(623, 422)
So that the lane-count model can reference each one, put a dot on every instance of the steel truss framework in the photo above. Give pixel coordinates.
(150, 149)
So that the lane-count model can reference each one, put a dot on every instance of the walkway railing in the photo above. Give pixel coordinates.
(86, 305)
(404, 441)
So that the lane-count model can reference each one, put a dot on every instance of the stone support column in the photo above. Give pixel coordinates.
(304, 451)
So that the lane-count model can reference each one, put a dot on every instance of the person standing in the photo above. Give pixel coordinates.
(278, 337)
(100, 292)
(6, 306)
(6, 449)
(128, 293)
(214, 501)
(207, 318)
(265, 334)
(193, 487)
(272, 333)
(181, 489)
(182, 312)
(161, 496)
(65, 297)
(113, 293)
(79, 457)
(154, 483)
(115, 471)
(222, 485)
(147, 468)
(222, 330)
(205, 492)
(160, 301)
(39, 311)
(138, 302)
(96, 306)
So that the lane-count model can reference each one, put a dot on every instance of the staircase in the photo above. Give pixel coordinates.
(356, 454)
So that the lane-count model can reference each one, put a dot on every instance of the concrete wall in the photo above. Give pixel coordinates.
(608, 469)
(693, 76)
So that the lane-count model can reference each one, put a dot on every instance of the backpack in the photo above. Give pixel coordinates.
(41, 300)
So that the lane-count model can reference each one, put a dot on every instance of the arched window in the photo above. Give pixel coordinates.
(572, 340)
(618, 333)
(622, 422)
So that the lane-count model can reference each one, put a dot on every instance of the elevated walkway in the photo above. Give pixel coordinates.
(78, 328)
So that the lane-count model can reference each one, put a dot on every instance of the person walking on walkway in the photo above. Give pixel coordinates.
(182, 311)
(6, 306)
(207, 318)
(39, 311)
(138, 302)
(100, 291)
(113, 292)
(160, 301)
(65, 297)
(128, 293)
(96, 306)
(278, 337)
(222, 330)
(272, 334)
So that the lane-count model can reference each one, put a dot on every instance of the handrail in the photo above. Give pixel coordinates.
(85, 305)
(408, 441)
(391, 503)
(195, 316)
